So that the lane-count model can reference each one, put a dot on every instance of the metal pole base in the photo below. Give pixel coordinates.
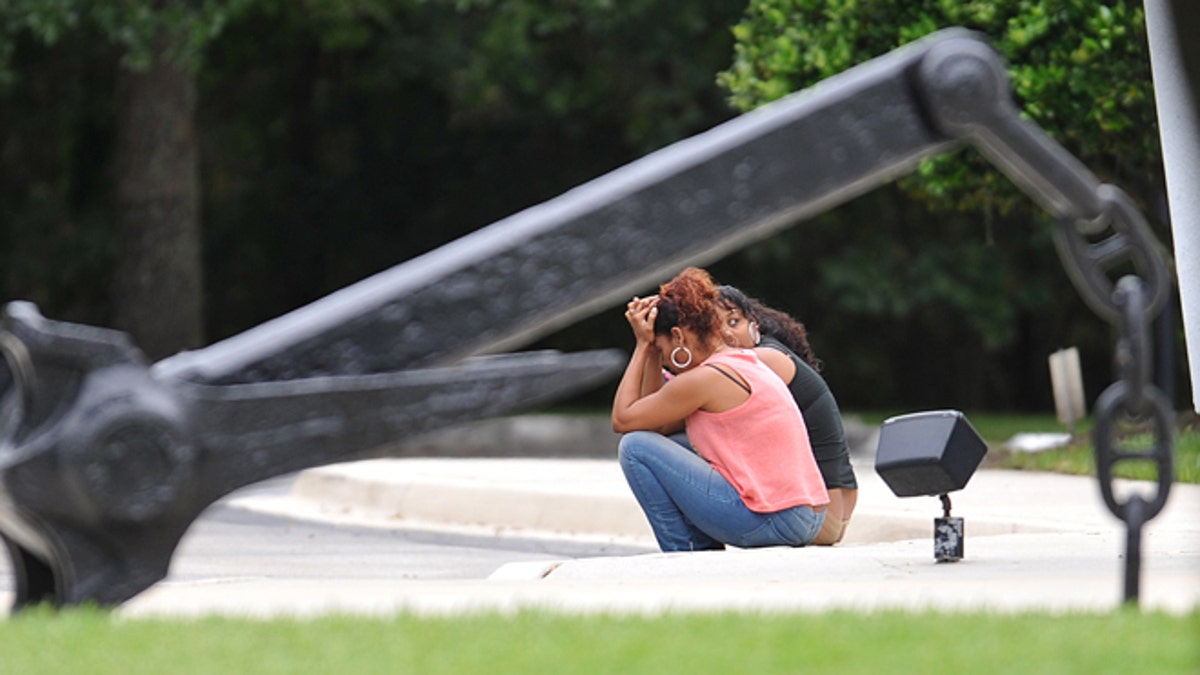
(948, 539)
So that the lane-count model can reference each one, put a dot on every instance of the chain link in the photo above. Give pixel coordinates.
(1134, 420)
(1089, 263)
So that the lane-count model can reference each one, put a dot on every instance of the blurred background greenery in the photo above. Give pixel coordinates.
(184, 171)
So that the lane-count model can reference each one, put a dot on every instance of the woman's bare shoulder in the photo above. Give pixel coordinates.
(777, 361)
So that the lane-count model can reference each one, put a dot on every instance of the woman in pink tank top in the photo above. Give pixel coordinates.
(752, 480)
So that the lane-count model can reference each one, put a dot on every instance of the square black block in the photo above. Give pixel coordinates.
(928, 453)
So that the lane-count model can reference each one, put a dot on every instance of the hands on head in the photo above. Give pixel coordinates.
(641, 313)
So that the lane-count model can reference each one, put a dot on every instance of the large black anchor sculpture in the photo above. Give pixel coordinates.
(106, 460)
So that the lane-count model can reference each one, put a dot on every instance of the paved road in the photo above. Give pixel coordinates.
(230, 546)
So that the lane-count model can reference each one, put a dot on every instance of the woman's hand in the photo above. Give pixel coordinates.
(640, 313)
(639, 403)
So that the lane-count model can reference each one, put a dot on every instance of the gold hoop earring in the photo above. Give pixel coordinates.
(675, 361)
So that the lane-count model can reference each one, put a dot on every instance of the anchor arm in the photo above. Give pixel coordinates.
(256, 431)
(103, 467)
(585, 250)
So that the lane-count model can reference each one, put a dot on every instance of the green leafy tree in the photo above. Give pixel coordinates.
(347, 146)
(156, 48)
(946, 262)
(1079, 68)
(336, 137)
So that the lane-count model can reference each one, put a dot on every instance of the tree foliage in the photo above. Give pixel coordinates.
(136, 26)
(948, 256)
(156, 278)
(340, 137)
(1079, 68)
(365, 140)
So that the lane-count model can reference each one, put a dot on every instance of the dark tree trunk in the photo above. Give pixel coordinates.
(158, 284)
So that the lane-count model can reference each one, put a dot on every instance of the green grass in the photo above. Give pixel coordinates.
(995, 428)
(86, 641)
(1079, 457)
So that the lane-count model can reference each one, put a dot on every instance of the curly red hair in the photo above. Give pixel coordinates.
(689, 301)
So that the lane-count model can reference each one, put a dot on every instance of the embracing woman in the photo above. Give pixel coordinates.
(752, 480)
(782, 343)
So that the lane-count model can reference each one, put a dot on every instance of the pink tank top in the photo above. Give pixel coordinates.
(761, 446)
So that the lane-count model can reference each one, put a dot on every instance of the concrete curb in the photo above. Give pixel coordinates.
(560, 497)
(563, 497)
(1034, 541)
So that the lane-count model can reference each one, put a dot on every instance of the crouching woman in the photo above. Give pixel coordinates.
(752, 480)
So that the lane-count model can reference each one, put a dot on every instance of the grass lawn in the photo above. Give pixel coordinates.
(85, 641)
(1079, 456)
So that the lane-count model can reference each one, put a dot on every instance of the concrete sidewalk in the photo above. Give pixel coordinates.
(1033, 542)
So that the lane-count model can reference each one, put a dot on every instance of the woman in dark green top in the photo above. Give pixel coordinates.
(782, 343)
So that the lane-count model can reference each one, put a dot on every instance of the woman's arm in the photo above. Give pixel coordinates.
(663, 407)
(629, 389)
(652, 373)
(664, 410)
(652, 370)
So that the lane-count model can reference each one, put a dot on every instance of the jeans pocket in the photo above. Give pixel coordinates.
(796, 526)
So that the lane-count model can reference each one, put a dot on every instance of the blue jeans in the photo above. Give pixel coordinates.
(691, 507)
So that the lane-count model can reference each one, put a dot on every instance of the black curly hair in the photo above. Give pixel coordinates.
(771, 322)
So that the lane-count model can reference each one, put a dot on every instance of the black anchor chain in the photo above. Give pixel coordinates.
(968, 95)
(1134, 419)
